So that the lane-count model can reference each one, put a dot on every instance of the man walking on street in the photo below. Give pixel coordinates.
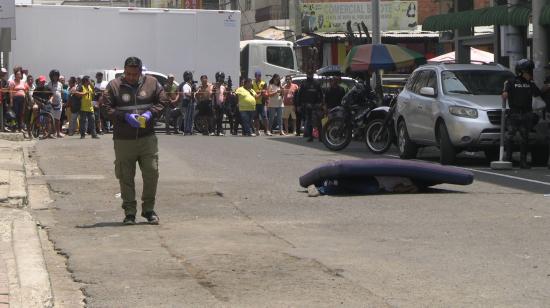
(133, 102)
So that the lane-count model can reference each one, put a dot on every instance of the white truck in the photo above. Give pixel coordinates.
(81, 40)
(269, 57)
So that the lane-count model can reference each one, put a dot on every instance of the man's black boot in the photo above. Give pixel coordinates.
(151, 217)
(129, 220)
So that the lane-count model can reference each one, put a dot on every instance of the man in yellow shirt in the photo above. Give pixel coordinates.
(87, 118)
(247, 99)
(260, 87)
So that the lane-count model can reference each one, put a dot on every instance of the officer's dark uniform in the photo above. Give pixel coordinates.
(310, 98)
(520, 117)
(135, 145)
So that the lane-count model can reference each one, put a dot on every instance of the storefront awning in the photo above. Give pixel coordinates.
(496, 15)
(274, 33)
(305, 41)
(545, 15)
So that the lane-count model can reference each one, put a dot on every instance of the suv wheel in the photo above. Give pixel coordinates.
(448, 151)
(407, 148)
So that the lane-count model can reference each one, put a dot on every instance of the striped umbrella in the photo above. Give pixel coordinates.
(371, 57)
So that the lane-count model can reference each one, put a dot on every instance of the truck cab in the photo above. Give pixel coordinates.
(268, 56)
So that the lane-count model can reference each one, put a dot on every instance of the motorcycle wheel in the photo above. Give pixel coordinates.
(378, 137)
(336, 135)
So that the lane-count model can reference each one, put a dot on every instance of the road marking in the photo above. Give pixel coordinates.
(494, 173)
(509, 176)
(54, 177)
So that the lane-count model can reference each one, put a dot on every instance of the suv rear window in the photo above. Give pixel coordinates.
(476, 82)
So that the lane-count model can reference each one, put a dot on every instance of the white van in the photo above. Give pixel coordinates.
(268, 56)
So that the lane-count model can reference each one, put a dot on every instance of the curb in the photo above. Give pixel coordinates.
(29, 280)
(13, 184)
(12, 136)
(34, 279)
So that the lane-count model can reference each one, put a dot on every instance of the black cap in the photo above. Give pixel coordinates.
(133, 62)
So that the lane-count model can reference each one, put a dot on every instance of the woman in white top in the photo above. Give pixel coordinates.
(275, 104)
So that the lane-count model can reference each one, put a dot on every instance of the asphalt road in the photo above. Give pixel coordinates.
(237, 230)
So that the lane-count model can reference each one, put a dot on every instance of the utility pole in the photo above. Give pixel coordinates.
(376, 39)
(540, 43)
(516, 46)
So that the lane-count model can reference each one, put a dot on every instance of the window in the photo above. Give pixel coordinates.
(411, 80)
(280, 56)
(431, 81)
(420, 81)
(476, 82)
(247, 5)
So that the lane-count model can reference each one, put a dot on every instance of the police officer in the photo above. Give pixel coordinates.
(519, 91)
(309, 99)
(133, 102)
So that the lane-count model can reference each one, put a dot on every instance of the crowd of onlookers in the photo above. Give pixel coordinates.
(275, 106)
(54, 106)
(74, 105)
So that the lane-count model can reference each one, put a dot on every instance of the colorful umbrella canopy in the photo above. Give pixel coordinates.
(371, 57)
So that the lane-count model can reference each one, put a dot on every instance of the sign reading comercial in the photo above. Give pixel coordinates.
(333, 16)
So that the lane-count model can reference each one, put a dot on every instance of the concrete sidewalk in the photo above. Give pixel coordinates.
(24, 279)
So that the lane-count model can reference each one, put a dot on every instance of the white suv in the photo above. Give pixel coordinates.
(456, 107)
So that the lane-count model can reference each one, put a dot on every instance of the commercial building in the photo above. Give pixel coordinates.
(511, 23)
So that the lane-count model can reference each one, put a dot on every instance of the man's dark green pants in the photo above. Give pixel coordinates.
(143, 151)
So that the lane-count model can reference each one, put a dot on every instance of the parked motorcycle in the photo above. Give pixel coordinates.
(349, 120)
(175, 118)
(380, 133)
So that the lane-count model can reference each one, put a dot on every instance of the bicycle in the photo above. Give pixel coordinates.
(45, 121)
